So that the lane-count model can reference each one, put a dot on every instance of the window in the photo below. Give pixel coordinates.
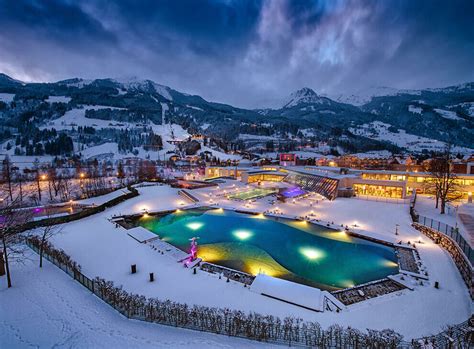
(378, 190)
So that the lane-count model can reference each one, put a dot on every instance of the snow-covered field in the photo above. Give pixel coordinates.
(380, 131)
(246, 137)
(414, 109)
(46, 308)
(7, 97)
(58, 99)
(104, 250)
(77, 117)
(425, 206)
(467, 106)
(447, 114)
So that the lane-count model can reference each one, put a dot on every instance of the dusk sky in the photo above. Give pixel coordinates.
(246, 53)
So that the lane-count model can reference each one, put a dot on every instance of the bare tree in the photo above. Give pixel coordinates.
(444, 182)
(46, 232)
(7, 175)
(11, 220)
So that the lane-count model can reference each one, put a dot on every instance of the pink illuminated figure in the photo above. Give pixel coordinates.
(193, 248)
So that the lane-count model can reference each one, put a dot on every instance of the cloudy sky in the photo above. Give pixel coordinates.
(246, 53)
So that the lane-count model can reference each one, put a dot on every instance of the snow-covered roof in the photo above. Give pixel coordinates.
(287, 291)
(261, 171)
(141, 234)
(318, 171)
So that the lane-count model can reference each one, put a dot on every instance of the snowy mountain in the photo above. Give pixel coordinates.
(364, 96)
(305, 96)
(441, 114)
(7, 81)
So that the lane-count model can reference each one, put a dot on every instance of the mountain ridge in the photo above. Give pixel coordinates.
(443, 114)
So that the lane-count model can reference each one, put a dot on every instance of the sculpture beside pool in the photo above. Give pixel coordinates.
(192, 260)
(194, 248)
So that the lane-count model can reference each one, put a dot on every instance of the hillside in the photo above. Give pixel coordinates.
(133, 111)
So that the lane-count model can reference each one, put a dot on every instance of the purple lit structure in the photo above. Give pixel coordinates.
(292, 192)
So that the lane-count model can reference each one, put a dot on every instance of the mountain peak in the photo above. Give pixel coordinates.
(305, 91)
(304, 95)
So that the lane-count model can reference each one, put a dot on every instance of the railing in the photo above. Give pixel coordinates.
(451, 240)
(452, 232)
(188, 196)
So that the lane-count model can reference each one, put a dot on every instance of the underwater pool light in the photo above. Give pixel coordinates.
(312, 253)
(194, 225)
(242, 234)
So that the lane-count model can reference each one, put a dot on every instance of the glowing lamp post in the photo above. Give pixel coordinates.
(469, 197)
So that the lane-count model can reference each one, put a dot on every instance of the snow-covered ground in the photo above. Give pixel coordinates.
(23, 161)
(380, 131)
(104, 250)
(414, 109)
(364, 96)
(77, 117)
(58, 99)
(425, 206)
(6, 97)
(447, 114)
(467, 106)
(102, 199)
(168, 132)
(46, 308)
(374, 154)
(246, 137)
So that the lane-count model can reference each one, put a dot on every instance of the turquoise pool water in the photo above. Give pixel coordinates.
(296, 251)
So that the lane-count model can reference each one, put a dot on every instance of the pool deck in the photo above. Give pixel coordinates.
(367, 291)
(408, 258)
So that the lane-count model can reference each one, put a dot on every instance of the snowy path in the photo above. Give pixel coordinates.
(48, 309)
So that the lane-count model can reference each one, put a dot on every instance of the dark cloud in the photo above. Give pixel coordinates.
(58, 21)
(241, 51)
